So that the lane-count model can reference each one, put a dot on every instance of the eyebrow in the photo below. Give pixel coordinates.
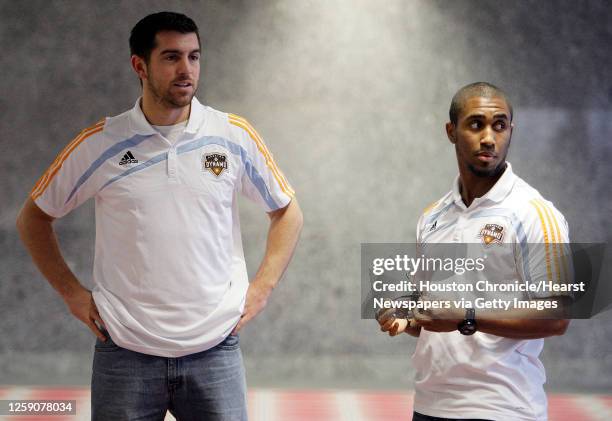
(178, 52)
(481, 116)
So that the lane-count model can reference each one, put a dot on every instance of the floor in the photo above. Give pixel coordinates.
(323, 405)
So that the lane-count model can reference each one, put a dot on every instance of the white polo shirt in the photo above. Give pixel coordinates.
(483, 375)
(169, 271)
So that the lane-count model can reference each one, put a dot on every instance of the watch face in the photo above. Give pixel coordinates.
(467, 327)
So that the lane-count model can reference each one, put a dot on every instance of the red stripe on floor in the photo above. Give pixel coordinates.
(386, 406)
(319, 405)
(306, 406)
(564, 408)
(607, 401)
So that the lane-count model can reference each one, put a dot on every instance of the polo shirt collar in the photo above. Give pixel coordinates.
(496, 194)
(196, 117)
(140, 125)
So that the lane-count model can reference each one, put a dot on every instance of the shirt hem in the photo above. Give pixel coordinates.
(46, 208)
(284, 203)
(474, 413)
(160, 352)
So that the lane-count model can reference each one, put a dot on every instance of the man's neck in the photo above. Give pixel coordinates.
(159, 114)
(471, 186)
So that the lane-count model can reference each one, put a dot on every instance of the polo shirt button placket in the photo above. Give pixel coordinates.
(458, 230)
(172, 163)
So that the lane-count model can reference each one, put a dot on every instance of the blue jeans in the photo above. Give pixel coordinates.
(208, 385)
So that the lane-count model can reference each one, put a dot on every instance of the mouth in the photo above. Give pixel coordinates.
(183, 85)
(486, 156)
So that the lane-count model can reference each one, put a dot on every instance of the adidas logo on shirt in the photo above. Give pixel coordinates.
(128, 158)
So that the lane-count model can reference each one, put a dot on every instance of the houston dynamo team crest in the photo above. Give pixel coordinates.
(216, 163)
(491, 233)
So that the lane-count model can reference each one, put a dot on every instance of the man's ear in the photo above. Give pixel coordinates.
(450, 132)
(139, 66)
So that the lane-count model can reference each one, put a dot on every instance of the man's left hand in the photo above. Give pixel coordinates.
(256, 300)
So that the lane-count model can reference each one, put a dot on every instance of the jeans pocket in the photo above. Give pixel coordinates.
(230, 343)
(106, 346)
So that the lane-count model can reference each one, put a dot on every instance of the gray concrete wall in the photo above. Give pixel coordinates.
(352, 97)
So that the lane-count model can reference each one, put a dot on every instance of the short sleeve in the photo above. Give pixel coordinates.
(546, 239)
(59, 190)
(428, 216)
(419, 229)
(262, 181)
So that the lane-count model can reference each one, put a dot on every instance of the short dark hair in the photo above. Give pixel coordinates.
(142, 37)
(476, 89)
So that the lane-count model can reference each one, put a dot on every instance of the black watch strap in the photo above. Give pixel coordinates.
(468, 325)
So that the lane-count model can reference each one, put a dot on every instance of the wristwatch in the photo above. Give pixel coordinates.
(468, 325)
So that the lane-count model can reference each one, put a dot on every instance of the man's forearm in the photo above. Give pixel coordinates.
(526, 323)
(522, 328)
(285, 227)
(513, 323)
(36, 231)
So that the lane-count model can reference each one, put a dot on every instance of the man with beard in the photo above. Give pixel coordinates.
(473, 364)
(171, 288)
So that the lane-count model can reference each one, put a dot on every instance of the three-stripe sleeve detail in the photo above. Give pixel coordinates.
(261, 146)
(46, 178)
(536, 205)
(556, 265)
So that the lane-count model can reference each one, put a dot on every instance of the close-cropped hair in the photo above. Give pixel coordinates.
(142, 37)
(477, 89)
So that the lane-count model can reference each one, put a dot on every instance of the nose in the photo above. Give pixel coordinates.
(184, 67)
(488, 138)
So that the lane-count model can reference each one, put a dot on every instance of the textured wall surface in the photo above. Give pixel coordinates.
(352, 97)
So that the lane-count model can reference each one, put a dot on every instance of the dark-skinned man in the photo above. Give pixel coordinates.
(485, 365)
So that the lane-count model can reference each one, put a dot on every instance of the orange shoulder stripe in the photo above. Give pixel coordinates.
(46, 178)
(558, 249)
(536, 205)
(278, 175)
(244, 124)
(548, 213)
(430, 207)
